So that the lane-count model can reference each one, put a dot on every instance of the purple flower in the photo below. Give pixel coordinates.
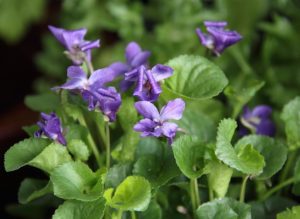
(93, 89)
(135, 58)
(50, 126)
(217, 39)
(78, 49)
(257, 121)
(157, 123)
(148, 87)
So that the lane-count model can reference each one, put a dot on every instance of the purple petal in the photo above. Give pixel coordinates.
(144, 125)
(266, 127)
(216, 24)
(88, 45)
(133, 74)
(140, 59)
(73, 38)
(262, 111)
(161, 72)
(119, 68)
(57, 32)
(205, 39)
(173, 110)
(101, 77)
(125, 85)
(169, 130)
(147, 109)
(131, 51)
(76, 72)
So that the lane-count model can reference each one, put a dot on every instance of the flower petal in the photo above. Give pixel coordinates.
(169, 130)
(131, 51)
(173, 110)
(140, 59)
(262, 111)
(101, 77)
(161, 72)
(73, 37)
(266, 127)
(57, 32)
(76, 72)
(205, 39)
(147, 109)
(88, 45)
(119, 68)
(215, 24)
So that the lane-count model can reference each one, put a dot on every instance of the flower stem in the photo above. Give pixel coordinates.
(91, 141)
(278, 187)
(291, 158)
(107, 145)
(133, 216)
(195, 197)
(89, 65)
(243, 189)
(120, 214)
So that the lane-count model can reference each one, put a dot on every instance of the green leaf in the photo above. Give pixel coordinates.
(46, 102)
(219, 178)
(224, 208)
(31, 189)
(240, 96)
(116, 174)
(52, 156)
(296, 186)
(75, 131)
(127, 113)
(78, 210)
(23, 152)
(290, 213)
(246, 159)
(273, 151)
(291, 117)
(30, 130)
(189, 155)
(75, 180)
(195, 77)
(153, 212)
(133, 194)
(79, 149)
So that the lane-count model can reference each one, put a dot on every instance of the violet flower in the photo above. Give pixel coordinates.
(148, 86)
(217, 39)
(135, 58)
(257, 121)
(93, 89)
(78, 49)
(50, 126)
(157, 123)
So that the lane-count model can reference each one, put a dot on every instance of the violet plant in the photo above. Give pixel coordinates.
(109, 152)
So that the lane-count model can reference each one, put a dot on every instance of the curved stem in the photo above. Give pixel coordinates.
(278, 187)
(107, 145)
(243, 189)
(287, 167)
(195, 197)
(133, 216)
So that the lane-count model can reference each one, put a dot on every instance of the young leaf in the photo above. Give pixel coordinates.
(75, 180)
(153, 212)
(23, 152)
(224, 208)
(116, 174)
(46, 102)
(133, 194)
(291, 117)
(189, 155)
(290, 213)
(51, 157)
(274, 153)
(73, 209)
(246, 160)
(195, 77)
(31, 189)
(79, 149)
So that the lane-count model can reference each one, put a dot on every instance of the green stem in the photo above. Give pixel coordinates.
(195, 197)
(211, 193)
(89, 65)
(287, 167)
(91, 141)
(243, 189)
(133, 216)
(120, 214)
(278, 187)
(107, 145)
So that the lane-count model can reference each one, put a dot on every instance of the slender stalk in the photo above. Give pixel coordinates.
(278, 187)
(195, 197)
(133, 216)
(120, 214)
(243, 189)
(210, 193)
(107, 145)
(91, 141)
(291, 158)
(89, 65)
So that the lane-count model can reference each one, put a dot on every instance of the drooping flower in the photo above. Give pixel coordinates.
(135, 58)
(257, 121)
(157, 123)
(93, 89)
(50, 126)
(78, 49)
(148, 86)
(217, 39)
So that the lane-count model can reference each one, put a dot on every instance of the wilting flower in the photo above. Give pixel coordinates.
(257, 121)
(135, 58)
(148, 87)
(157, 123)
(93, 89)
(50, 126)
(78, 49)
(217, 39)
